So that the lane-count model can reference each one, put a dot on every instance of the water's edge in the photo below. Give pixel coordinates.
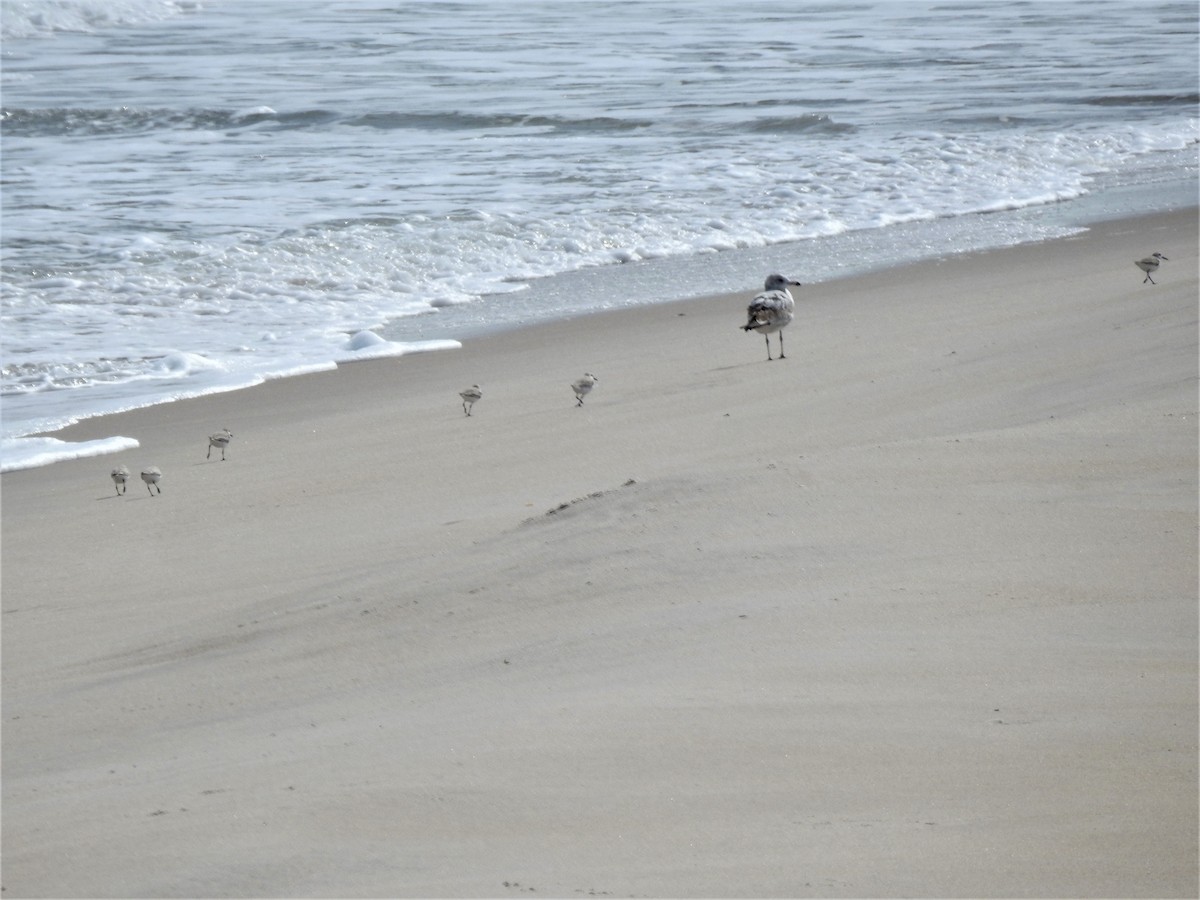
(812, 260)
(648, 282)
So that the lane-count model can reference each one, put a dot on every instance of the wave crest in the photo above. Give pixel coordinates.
(42, 18)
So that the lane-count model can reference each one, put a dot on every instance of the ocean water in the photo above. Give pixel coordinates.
(198, 196)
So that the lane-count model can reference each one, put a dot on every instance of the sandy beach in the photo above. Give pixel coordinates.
(912, 612)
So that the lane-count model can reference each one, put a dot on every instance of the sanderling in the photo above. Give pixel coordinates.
(470, 397)
(150, 475)
(220, 439)
(119, 476)
(1149, 265)
(772, 310)
(583, 386)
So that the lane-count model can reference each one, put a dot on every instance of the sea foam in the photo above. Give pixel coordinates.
(32, 452)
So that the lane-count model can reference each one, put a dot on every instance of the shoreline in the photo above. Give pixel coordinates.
(642, 283)
(910, 613)
(403, 331)
(1108, 204)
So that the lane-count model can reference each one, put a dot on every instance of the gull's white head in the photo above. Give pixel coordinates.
(779, 283)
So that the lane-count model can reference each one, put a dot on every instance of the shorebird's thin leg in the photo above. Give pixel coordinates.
(767, 338)
(208, 455)
(781, 356)
(1149, 279)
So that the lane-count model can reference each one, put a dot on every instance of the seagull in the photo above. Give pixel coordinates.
(1149, 265)
(772, 310)
(583, 386)
(151, 476)
(119, 476)
(470, 397)
(220, 439)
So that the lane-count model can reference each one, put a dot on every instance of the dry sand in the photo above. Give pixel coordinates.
(911, 613)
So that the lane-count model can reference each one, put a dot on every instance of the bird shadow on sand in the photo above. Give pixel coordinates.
(747, 364)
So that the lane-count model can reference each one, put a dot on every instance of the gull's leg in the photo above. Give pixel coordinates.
(767, 338)
(781, 356)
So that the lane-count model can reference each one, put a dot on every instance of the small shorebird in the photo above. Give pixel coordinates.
(220, 439)
(151, 475)
(772, 310)
(119, 476)
(470, 397)
(1149, 265)
(583, 386)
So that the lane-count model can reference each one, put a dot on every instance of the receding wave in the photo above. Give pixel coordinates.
(804, 124)
(1191, 99)
(85, 122)
(79, 122)
(82, 122)
(457, 121)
